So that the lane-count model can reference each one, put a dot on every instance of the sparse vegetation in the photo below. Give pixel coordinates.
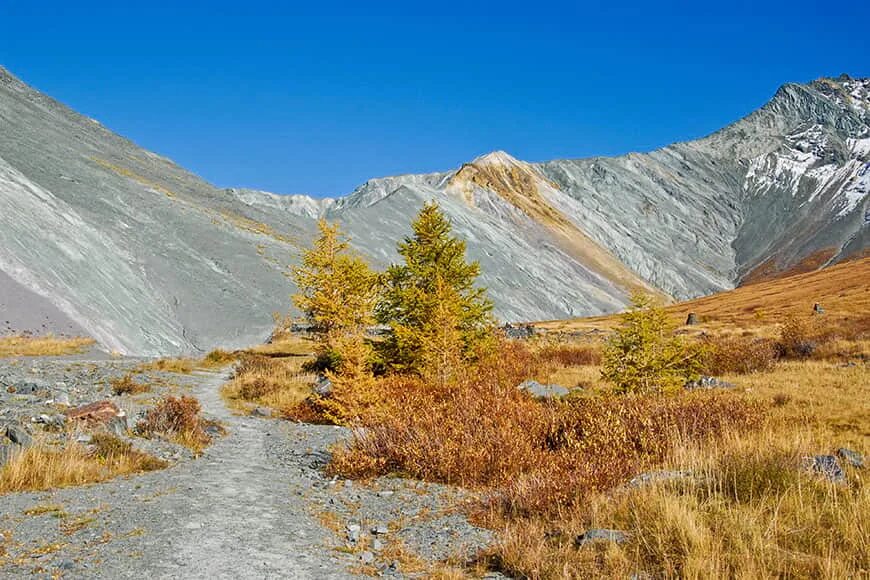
(183, 366)
(178, 419)
(127, 385)
(24, 345)
(644, 355)
(40, 468)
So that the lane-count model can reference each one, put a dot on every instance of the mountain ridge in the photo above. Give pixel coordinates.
(151, 259)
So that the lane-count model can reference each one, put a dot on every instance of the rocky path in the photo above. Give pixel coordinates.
(254, 505)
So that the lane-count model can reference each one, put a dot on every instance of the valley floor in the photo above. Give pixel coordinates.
(254, 505)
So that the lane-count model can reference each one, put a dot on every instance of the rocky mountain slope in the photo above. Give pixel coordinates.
(128, 247)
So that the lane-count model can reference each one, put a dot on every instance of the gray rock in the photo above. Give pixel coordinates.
(709, 383)
(658, 477)
(367, 557)
(601, 534)
(18, 435)
(353, 532)
(62, 398)
(323, 387)
(380, 530)
(6, 452)
(853, 458)
(377, 545)
(691, 319)
(540, 391)
(826, 466)
(262, 412)
(117, 425)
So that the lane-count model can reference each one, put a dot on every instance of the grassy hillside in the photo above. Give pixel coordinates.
(842, 290)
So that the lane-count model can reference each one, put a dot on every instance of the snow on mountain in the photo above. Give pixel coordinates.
(150, 259)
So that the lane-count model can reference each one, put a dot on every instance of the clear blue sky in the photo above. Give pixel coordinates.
(317, 97)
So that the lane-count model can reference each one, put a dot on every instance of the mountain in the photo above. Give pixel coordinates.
(101, 237)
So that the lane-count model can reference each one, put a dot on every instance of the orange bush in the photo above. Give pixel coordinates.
(739, 354)
(536, 456)
(179, 419)
(570, 355)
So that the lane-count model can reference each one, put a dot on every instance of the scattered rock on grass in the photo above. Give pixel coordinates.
(709, 383)
(827, 466)
(853, 458)
(540, 391)
(323, 387)
(18, 435)
(658, 476)
(601, 534)
(100, 412)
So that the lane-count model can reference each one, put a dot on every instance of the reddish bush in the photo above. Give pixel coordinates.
(483, 431)
(570, 355)
(739, 354)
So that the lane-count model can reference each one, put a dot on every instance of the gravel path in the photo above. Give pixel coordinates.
(256, 504)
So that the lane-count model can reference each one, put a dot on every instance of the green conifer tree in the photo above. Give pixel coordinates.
(436, 312)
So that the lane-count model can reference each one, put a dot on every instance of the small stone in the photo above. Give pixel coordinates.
(691, 319)
(348, 484)
(18, 435)
(62, 399)
(117, 425)
(658, 476)
(323, 387)
(540, 391)
(853, 458)
(380, 530)
(386, 493)
(601, 534)
(353, 532)
(709, 383)
(827, 466)
(377, 545)
(6, 452)
(367, 557)
(66, 565)
(262, 412)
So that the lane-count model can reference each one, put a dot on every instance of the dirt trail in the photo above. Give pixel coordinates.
(236, 512)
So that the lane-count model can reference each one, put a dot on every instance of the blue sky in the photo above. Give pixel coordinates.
(317, 97)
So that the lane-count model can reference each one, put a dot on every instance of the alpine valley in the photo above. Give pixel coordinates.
(99, 237)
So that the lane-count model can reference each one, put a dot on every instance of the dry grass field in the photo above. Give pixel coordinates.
(842, 290)
(19, 345)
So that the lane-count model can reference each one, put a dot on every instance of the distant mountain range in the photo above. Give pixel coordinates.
(100, 237)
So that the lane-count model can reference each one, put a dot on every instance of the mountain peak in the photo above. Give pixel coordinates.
(497, 157)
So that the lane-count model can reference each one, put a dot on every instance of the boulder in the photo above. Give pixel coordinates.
(101, 412)
(853, 458)
(826, 466)
(18, 435)
(540, 391)
(691, 319)
(519, 331)
(601, 535)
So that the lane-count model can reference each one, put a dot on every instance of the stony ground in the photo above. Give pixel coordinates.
(256, 504)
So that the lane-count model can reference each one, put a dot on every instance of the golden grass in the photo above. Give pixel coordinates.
(277, 383)
(750, 511)
(843, 291)
(183, 366)
(41, 468)
(20, 345)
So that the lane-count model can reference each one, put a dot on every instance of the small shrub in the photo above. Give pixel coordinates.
(571, 355)
(644, 355)
(182, 366)
(799, 337)
(217, 358)
(126, 385)
(738, 355)
(177, 418)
